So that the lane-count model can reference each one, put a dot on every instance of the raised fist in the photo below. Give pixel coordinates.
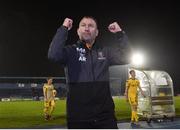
(68, 23)
(114, 27)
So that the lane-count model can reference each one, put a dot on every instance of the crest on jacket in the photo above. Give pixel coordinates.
(101, 55)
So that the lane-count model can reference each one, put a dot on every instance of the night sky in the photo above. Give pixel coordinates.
(27, 28)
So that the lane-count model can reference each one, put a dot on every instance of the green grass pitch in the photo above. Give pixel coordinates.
(29, 114)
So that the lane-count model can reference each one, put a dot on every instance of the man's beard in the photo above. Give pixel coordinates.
(87, 40)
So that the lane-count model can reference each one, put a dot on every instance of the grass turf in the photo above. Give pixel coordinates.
(29, 114)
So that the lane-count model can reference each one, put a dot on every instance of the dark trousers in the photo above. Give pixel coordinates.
(96, 124)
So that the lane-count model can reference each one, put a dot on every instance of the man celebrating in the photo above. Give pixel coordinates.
(89, 101)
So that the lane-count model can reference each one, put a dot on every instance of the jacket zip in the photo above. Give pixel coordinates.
(92, 67)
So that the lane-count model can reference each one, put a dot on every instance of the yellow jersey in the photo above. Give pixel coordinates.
(54, 93)
(132, 85)
(48, 91)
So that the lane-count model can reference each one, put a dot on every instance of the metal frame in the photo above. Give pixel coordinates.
(155, 107)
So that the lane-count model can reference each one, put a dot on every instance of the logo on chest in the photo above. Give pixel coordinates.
(101, 56)
(82, 53)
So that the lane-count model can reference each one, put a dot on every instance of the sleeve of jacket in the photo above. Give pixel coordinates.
(57, 50)
(121, 52)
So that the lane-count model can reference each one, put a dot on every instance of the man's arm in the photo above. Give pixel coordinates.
(56, 50)
(54, 93)
(120, 54)
(141, 90)
(45, 93)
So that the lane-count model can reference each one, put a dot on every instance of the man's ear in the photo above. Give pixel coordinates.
(78, 31)
(97, 32)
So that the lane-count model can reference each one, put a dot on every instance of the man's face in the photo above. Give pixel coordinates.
(87, 30)
(50, 81)
(133, 74)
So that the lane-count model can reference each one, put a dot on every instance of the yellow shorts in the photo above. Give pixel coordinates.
(49, 103)
(133, 100)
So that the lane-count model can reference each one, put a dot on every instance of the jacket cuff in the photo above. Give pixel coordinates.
(64, 28)
(119, 34)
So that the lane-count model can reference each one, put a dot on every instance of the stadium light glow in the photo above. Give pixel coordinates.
(137, 59)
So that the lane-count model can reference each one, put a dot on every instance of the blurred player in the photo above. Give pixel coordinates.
(49, 98)
(131, 93)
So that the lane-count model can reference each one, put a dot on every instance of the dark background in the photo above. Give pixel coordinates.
(27, 28)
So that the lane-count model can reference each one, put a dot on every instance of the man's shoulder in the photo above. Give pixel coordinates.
(72, 46)
(45, 85)
(137, 80)
(132, 80)
(129, 80)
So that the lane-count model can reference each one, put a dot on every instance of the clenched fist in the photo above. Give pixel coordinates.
(68, 23)
(114, 27)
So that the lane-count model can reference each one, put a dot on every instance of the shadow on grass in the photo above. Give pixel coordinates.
(59, 117)
(56, 122)
(33, 122)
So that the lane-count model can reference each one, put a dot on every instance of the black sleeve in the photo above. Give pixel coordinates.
(57, 51)
(121, 52)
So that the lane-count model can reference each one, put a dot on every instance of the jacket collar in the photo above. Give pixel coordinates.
(82, 44)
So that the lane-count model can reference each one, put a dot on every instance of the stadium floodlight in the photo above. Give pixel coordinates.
(137, 59)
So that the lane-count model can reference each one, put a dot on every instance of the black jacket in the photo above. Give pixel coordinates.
(89, 96)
